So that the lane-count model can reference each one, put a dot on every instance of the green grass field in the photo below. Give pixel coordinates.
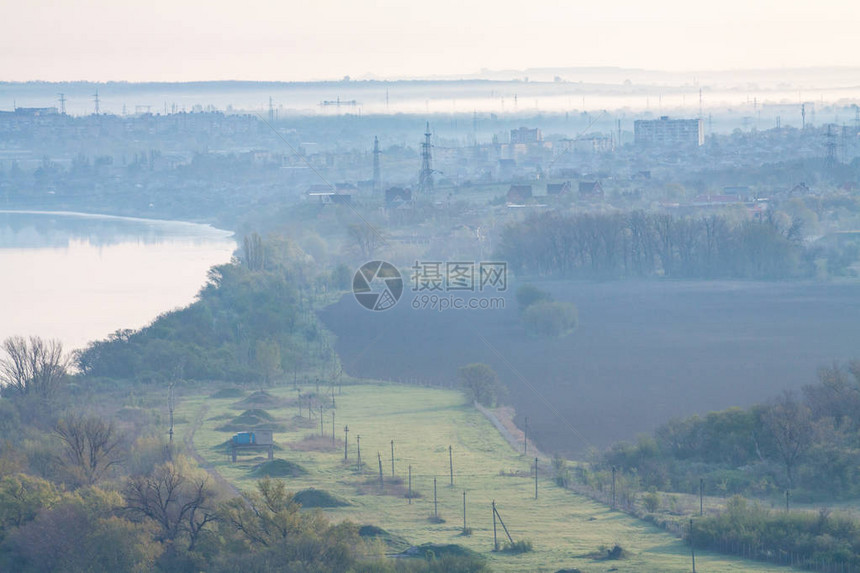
(566, 530)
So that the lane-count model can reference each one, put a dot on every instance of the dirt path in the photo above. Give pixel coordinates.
(189, 446)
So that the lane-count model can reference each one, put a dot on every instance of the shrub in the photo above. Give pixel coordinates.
(550, 319)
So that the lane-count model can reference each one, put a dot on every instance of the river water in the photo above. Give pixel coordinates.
(79, 277)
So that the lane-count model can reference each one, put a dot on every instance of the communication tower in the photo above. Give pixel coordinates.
(377, 180)
(425, 178)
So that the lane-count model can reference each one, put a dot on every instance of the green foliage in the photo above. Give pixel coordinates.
(639, 244)
(651, 500)
(246, 325)
(803, 537)
(21, 499)
(808, 444)
(521, 546)
(81, 532)
(550, 319)
(528, 294)
(480, 383)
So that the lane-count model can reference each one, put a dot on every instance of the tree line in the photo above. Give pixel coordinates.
(807, 444)
(639, 244)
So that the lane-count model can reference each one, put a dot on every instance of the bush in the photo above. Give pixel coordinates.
(550, 319)
(528, 294)
(523, 546)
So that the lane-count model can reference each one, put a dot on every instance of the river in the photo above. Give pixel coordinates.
(78, 277)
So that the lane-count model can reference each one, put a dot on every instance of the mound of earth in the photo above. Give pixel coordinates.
(427, 550)
(259, 399)
(395, 543)
(318, 498)
(255, 419)
(228, 393)
(278, 468)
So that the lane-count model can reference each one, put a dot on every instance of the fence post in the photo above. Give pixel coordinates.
(435, 502)
(495, 539)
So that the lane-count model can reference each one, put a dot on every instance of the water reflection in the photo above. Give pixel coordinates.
(80, 277)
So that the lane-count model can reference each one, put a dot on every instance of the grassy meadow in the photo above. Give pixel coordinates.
(566, 530)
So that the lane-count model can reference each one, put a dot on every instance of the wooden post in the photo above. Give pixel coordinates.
(613, 487)
(410, 485)
(692, 548)
(536, 478)
(464, 512)
(435, 502)
(495, 538)
(504, 527)
(451, 463)
(379, 455)
(392, 458)
(345, 443)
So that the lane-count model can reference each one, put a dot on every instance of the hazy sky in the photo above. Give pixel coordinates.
(174, 40)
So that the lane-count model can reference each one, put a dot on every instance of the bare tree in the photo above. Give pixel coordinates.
(789, 423)
(178, 504)
(366, 238)
(33, 366)
(91, 447)
(253, 251)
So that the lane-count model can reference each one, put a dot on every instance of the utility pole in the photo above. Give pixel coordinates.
(435, 500)
(345, 443)
(96, 100)
(392, 458)
(62, 104)
(451, 464)
(536, 478)
(692, 547)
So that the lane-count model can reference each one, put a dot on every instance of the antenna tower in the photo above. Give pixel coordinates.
(96, 100)
(377, 181)
(62, 103)
(425, 178)
(831, 148)
(271, 110)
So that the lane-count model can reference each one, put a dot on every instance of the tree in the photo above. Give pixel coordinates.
(529, 294)
(480, 383)
(366, 237)
(33, 366)
(789, 424)
(91, 447)
(179, 504)
(253, 252)
(550, 319)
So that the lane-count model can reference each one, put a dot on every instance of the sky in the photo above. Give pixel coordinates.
(290, 40)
